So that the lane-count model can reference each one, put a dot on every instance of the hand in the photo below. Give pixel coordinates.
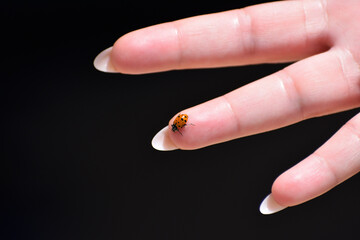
(322, 36)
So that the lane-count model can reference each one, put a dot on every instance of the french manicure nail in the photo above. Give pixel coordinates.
(102, 61)
(270, 206)
(162, 142)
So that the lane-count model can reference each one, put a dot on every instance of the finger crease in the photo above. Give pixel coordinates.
(315, 25)
(178, 34)
(326, 164)
(235, 117)
(340, 54)
(292, 92)
(305, 24)
(244, 27)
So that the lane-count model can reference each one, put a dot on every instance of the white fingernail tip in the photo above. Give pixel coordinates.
(270, 206)
(162, 142)
(102, 61)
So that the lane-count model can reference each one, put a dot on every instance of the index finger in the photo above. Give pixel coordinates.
(272, 32)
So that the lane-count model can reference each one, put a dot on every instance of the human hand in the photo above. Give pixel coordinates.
(322, 36)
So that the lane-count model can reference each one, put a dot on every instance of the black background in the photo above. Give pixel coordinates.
(77, 159)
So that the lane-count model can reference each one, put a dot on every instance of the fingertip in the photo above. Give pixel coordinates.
(306, 180)
(147, 50)
(286, 190)
(208, 123)
(189, 136)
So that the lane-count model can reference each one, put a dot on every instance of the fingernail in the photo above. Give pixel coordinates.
(270, 206)
(102, 61)
(162, 142)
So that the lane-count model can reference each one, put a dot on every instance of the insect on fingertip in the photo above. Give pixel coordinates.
(180, 122)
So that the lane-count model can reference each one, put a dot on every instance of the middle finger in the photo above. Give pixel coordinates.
(325, 83)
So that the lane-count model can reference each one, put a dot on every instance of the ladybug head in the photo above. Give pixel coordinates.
(174, 128)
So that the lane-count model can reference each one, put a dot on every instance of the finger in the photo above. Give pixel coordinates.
(273, 32)
(320, 85)
(334, 162)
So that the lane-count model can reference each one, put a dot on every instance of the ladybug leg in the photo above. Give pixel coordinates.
(174, 129)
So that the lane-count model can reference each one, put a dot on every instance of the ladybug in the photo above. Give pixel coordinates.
(179, 122)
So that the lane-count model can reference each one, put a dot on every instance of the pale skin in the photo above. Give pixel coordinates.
(322, 38)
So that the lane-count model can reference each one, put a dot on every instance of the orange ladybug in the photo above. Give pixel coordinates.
(180, 122)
